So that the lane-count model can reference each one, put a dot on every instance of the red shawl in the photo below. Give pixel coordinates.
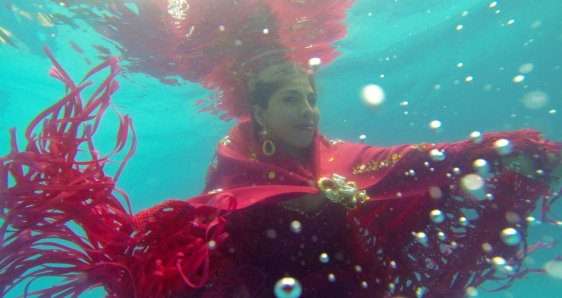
(203, 246)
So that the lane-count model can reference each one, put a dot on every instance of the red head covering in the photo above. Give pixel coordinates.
(220, 43)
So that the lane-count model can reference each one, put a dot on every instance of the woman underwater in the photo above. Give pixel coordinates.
(282, 205)
(285, 212)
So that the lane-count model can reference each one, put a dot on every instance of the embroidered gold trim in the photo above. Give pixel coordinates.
(297, 210)
(217, 190)
(374, 165)
(226, 140)
(253, 156)
(422, 146)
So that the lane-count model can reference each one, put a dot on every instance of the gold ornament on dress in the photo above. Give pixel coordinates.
(339, 191)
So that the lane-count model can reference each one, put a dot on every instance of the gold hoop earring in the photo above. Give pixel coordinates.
(267, 143)
(267, 152)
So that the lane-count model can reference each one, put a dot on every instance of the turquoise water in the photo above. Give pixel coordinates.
(412, 49)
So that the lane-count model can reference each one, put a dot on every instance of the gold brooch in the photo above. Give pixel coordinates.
(339, 191)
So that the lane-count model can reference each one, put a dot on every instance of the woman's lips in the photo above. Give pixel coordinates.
(306, 127)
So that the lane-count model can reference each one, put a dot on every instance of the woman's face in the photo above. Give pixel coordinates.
(292, 114)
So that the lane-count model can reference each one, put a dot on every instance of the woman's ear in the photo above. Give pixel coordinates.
(258, 115)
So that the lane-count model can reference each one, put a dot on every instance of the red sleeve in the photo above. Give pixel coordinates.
(405, 170)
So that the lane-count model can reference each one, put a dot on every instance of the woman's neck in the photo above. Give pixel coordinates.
(300, 155)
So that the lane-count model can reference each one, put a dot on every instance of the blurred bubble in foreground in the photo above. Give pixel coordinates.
(314, 63)
(526, 68)
(535, 100)
(372, 95)
(554, 269)
(287, 287)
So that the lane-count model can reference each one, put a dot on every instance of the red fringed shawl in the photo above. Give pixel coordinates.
(62, 217)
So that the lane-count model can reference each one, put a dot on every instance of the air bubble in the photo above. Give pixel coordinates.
(480, 166)
(287, 287)
(296, 227)
(437, 155)
(373, 95)
(511, 236)
(271, 233)
(554, 269)
(518, 79)
(487, 248)
(324, 258)
(472, 182)
(331, 277)
(435, 125)
(502, 147)
(435, 192)
(314, 64)
(421, 238)
(471, 292)
(535, 100)
(437, 216)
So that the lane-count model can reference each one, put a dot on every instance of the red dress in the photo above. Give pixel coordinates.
(62, 216)
(236, 240)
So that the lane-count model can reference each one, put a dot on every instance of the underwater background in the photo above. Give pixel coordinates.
(473, 65)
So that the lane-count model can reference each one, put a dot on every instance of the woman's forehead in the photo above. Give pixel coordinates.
(296, 85)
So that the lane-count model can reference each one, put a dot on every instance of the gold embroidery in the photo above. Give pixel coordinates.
(297, 210)
(217, 190)
(226, 140)
(336, 142)
(253, 155)
(214, 162)
(374, 165)
(331, 159)
(420, 147)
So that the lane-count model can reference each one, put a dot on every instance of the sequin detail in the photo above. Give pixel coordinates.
(422, 146)
(226, 140)
(216, 190)
(374, 165)
(252, 155)
(297, 210)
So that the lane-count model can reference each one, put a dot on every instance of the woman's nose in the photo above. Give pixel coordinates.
(306, 108)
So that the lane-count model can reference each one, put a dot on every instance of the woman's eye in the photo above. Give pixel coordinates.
(290, 99)
(312, 100)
